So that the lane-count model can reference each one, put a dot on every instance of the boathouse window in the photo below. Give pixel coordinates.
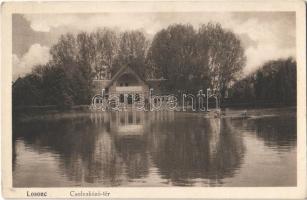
(137, 97)
(129, 98)
(121, 98)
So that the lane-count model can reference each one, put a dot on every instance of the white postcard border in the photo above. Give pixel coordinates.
(163, 6)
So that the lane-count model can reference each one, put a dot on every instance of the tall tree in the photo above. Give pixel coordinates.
(71, 55)
(174, 51)
(64, 51)
(82, 74)
(133, 47)
(105, 46)
(225, 56)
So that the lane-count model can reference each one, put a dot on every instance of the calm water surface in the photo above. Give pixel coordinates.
(156, 149)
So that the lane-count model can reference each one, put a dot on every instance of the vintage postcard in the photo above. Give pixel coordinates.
(144, 99)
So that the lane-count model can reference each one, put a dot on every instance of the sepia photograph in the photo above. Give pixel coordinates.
(163, 98)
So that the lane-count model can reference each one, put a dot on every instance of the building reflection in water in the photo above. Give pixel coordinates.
(117, 148)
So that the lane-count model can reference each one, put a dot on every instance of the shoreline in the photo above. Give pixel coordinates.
(222, 113)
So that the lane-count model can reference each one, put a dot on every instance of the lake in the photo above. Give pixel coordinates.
(157, 149)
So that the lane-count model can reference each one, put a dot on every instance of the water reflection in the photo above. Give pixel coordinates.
(138, 148)
(277, 132)
(200, 149)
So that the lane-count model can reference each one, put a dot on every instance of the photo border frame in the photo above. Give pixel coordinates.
(10, 8)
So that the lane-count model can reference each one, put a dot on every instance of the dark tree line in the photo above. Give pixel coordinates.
(274, 83)
(189, 59)
(210, 57)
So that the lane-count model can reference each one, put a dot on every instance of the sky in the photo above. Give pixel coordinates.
(264, 35)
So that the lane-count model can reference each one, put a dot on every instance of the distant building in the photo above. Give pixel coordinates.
(127, 82)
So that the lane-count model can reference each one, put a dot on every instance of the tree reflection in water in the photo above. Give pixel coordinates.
(118, 148)
(279, 134)
(203, 148)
